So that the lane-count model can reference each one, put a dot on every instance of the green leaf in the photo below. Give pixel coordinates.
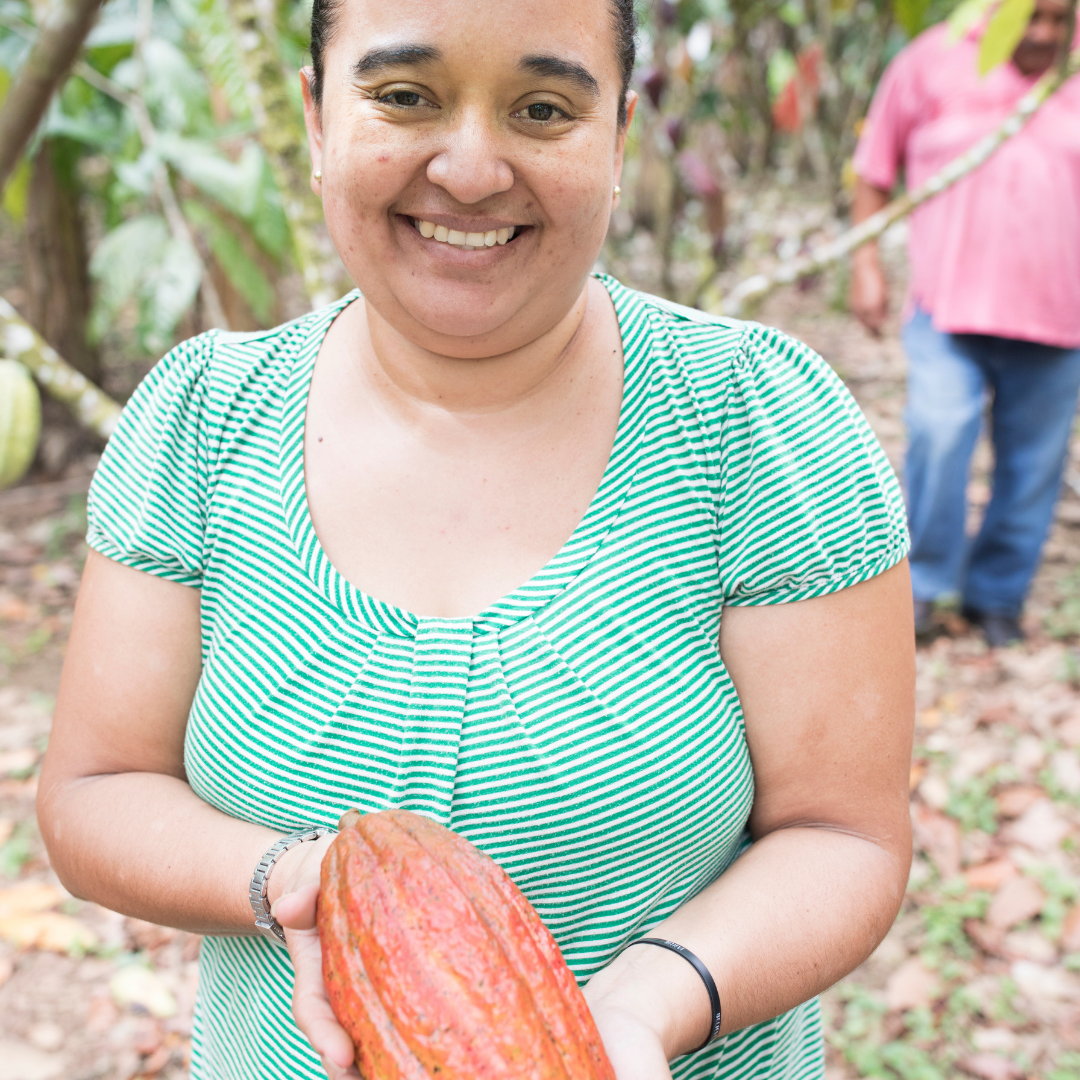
(169, 293)
(269, 224)
(235, 185)
(211, 28)
(138, 175)
(239, 267)
(968, 14)
(174, 92)
(1004, 33)
(17, 191)
(912, 15)
(782, 68)
(122, 262)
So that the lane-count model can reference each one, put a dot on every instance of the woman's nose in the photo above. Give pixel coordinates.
(470, 166)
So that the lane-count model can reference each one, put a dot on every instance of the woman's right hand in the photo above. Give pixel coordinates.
(297, 875)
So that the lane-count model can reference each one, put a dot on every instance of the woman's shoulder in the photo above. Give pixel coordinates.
(225, 364)
(730, 357)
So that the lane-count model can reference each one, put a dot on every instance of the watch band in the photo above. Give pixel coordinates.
(261, 879)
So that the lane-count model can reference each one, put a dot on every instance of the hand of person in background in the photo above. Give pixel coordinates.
(868, 295)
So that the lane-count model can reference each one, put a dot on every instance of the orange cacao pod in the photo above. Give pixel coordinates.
(437, 966)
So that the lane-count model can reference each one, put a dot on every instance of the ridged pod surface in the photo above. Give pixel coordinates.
(20, 421)
(437, 966)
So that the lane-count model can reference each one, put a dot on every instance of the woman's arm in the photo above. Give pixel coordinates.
(121, 824)
(827, 689)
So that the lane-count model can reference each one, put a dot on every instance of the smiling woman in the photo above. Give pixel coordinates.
(614, 589)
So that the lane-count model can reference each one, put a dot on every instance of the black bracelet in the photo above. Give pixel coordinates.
(701, 969)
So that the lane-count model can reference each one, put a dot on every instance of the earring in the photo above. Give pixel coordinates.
(618, 190)
(317, 174)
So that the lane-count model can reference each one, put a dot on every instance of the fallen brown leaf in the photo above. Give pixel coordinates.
(137, 985)
(1040, 828)
(991, 1067)
(990, 876)
(1018, 900)
(47, 930)
(939, 837)
(1070, 932)
(1013, 801)
(1068, 731)
(918, 771)
(1038, 981)
(911, 986)
(13, 761)
(28, 897)
(989, 939)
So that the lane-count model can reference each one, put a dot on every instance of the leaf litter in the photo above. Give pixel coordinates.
(979, 976)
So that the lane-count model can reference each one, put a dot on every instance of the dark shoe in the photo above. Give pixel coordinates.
(999, 629)
(924, 618)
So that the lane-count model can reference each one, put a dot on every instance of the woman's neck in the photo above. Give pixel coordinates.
(410, 377)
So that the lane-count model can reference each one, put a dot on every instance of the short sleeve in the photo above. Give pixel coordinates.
(893, 114)
(147, 502)
(808, 501)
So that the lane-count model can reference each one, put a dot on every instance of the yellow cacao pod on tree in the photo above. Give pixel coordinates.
(20, 421)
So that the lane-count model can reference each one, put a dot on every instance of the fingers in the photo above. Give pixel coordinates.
(296, 910)
(312, 1010)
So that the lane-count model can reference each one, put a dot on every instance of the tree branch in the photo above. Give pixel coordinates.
(760, 285)
(52, 54)
(20, 341)
(283, 138)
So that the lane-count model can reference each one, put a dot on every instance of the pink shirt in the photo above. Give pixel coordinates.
(999, 252)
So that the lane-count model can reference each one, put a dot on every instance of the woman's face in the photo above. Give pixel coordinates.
(472, 117)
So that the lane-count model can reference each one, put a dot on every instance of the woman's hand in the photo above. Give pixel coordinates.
(633, 1047)
(297, 878)
(649, 1006)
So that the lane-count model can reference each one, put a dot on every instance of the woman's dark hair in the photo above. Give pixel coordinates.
(323, 13)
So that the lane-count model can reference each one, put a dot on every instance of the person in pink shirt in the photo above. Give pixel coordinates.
(993, 307)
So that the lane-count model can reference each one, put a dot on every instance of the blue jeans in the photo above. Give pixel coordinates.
(1034, 389)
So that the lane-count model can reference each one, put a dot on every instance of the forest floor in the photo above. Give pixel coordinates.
(979, 977)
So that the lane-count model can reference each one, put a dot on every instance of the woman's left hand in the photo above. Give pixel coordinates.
(633, 1048)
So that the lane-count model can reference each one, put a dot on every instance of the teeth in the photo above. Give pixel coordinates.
(474, 241)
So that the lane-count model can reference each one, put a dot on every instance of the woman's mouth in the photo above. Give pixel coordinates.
(467, 241)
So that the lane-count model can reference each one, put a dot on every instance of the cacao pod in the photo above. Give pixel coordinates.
(20, 421)
(437, 966)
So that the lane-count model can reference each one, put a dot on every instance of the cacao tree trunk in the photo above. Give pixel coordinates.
(57, 281)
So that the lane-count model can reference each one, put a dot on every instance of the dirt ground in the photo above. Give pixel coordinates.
(979, 977)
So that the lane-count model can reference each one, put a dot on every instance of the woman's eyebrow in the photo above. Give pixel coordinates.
(396, 56)
(557, 68)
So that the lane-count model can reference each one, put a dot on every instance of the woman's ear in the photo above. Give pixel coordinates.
(620, 146)
(313, 122)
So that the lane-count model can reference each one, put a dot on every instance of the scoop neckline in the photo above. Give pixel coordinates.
(527, 598)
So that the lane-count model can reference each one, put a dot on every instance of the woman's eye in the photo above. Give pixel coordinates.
(544, 112)
(403, 98)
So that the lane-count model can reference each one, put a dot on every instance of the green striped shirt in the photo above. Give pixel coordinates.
(583, 730)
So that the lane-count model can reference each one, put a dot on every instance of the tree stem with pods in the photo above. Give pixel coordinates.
(755, 288)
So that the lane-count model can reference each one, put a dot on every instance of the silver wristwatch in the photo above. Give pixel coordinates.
(260, 879)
